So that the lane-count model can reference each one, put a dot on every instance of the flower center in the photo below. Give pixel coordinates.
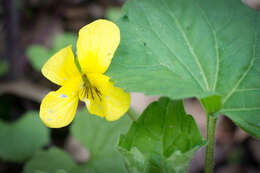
(88, 90)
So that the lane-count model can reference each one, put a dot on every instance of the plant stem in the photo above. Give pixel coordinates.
(209, 159)
(132, 114)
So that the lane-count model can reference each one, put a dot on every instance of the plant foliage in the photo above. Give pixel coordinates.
(193, 48)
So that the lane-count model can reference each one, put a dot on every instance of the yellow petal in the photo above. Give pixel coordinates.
(111, 103)
(58, 108)
(96, 45)
(61, 67)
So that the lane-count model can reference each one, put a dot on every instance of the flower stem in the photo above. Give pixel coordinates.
(132, 114)
(78, 65)
(209, 159)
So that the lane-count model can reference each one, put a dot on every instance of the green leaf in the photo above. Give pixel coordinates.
(38, 55)
(3, 67)
(100, 138)
(211, 104)
(164, 139)
(193, 48)
(53, 160)
(59, 171)
(21, 139)
(62, 40)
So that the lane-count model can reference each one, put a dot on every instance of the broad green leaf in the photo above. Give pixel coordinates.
(21, 139)
(53, 160)
(100, 138)
(211, 104)
(38, 55)
(164, 139)
(181, 48)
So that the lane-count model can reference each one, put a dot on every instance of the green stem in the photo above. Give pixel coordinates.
(78, 65)
(132, 114)
(209, 160)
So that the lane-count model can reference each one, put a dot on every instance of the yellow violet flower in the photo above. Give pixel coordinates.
(96, 45)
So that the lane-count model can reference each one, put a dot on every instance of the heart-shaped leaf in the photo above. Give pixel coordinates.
(21, 139)
(100, 138)
(53, 160)
(181, 48)
(163, 139)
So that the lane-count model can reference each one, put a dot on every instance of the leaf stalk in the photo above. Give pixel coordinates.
(132, 114)
(209, 159)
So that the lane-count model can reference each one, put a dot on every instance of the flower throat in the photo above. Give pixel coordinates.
(89, 90)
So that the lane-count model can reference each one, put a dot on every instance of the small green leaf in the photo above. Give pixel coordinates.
(164, 139)
(211, 104)
(59, 171)
(53, 160)
(21, 139)
(196, 48)
(39, 171)
(100, 138)
(38, 55)
(3, 67)
(62, 40)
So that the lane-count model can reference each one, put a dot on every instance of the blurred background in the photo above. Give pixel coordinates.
(31, 31)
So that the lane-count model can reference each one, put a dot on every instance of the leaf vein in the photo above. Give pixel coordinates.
(189, 46)
(240, 109)
(247, 89)
(216, 43)
(185, 65)
(244, 74)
